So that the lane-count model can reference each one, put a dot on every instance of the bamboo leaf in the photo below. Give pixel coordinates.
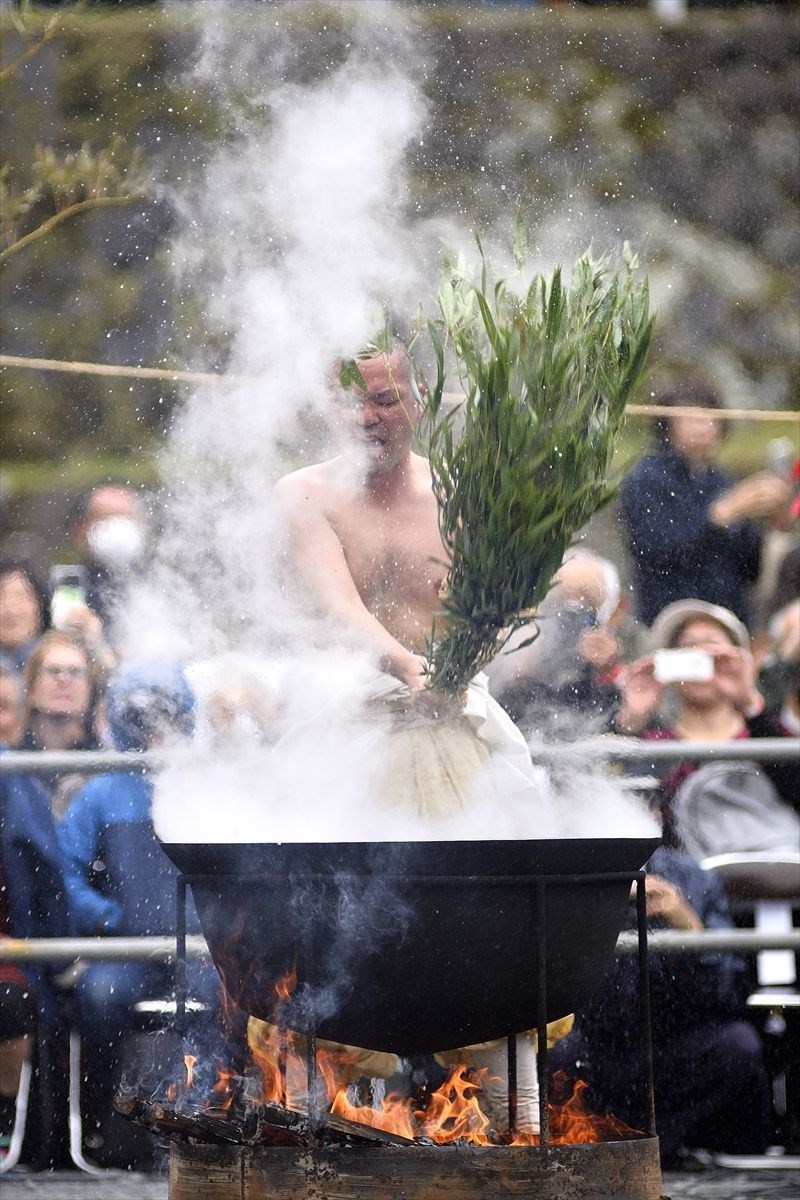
(546, 377)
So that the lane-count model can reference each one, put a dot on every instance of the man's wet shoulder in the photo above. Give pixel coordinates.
(310, 480)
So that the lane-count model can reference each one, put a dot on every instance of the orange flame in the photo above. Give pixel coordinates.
(286, 984)
(190, 1060)
(453, 1112)
(394, 1116)
(222, 1091)
(571, 1119)
(282, 1071)
(279, 1056)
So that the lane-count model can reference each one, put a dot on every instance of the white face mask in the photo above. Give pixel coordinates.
(116, 542)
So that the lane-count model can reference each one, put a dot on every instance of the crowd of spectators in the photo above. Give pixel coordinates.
(78, 854)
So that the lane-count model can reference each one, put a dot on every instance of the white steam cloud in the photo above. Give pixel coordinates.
(295, 238)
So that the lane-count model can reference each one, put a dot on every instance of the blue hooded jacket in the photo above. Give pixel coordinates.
(119, 879)
(31, 863)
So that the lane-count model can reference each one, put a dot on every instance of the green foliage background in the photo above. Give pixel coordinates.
(560, 108)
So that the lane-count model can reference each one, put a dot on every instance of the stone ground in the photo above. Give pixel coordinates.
(710, 1183)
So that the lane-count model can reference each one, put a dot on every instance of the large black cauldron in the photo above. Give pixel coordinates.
(411, 946)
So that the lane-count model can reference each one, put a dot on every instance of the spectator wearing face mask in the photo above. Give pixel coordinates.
(110, 532)
(691, 531)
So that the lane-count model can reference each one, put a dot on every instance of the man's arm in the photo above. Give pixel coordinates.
(317, 556)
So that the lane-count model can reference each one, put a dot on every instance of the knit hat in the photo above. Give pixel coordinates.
(146, 698)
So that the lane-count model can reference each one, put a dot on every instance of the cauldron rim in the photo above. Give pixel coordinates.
(443, 857)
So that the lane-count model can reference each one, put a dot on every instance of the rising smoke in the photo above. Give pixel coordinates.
(298, 232)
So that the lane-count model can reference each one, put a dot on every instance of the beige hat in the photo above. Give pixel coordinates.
(671, 620)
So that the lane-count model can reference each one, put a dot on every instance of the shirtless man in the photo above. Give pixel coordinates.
(363, 527)
(364, 536)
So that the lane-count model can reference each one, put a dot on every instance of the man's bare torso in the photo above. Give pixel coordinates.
(391, 544)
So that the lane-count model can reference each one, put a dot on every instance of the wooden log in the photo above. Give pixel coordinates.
(160, 1118)
(245, 1124)
(197, 1125)
(279, 1126)
(356, 1131)
(131, 1106)
(238, 1124)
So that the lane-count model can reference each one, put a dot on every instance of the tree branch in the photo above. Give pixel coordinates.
(50, 30)
(65, 214)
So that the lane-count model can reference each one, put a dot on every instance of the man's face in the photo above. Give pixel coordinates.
(382, 419)
(695, 437)
(112, 535)
(108, 502)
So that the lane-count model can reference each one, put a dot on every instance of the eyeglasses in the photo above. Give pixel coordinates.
(53, 672)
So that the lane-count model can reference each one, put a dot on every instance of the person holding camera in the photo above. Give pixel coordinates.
(702, 652)
(109, 531)
(575, 666)
(690, 530)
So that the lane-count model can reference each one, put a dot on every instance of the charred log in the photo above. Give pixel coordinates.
(179, 1125)
(247, 1124)
(355, 1132)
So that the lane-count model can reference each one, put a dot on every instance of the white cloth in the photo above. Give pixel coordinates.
(456, 762)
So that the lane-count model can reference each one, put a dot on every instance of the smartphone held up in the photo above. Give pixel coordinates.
(68, 590)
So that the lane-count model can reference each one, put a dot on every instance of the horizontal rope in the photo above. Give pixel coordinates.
(94, 762)
(162, 949)
(123, 372)
(90, 368)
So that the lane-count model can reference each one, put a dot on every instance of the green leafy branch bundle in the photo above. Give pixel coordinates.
(522, 464)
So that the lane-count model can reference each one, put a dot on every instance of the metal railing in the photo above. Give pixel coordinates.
(162, 949)
(94, 762)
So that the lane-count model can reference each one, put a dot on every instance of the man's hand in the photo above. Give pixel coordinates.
(82, 622)
(762, 495)
(411, 669)
(663, 899)
(432, 702)
(786, 632)
(79, 619)
(599, 648)
(641, 696)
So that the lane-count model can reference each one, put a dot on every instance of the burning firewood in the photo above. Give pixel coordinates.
(247, 1124)
(160, 1118)
(357, 1131)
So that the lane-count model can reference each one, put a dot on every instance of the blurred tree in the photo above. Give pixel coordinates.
(60, 186)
